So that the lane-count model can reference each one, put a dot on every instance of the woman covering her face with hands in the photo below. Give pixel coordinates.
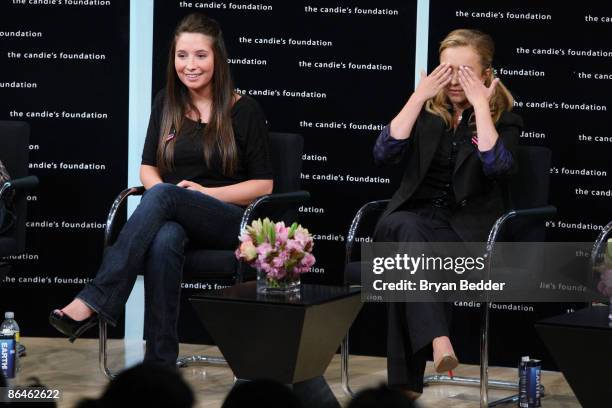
(455, 138)
(205, 157)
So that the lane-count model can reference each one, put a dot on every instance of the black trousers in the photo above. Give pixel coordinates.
(412, 326)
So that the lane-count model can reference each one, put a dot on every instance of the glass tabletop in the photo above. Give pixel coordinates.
(308, 295)
(592, 318)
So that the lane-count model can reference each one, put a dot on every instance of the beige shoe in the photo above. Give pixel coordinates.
(446, 363)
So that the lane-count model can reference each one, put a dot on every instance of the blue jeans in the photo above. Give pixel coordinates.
(153, 242)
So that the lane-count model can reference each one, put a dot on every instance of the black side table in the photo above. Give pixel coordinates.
(289, 340)
(581, 344)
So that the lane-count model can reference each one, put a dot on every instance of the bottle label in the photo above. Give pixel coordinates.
(7, 355)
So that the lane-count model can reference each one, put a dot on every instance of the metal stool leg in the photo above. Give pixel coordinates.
(181, 362)
(436, 379)
(344, 366)
(103, 352)
(484, 355)
(483, 382)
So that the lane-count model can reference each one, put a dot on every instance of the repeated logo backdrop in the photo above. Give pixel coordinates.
(65, 72)
(336, 73)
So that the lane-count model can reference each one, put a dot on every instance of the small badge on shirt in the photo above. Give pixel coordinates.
(475, 139)
(170, 135)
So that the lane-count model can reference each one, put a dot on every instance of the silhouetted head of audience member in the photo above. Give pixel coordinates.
(145, 385)
(380, 397)
(261, 393)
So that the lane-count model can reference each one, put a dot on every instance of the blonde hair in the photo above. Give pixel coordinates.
(483, 45)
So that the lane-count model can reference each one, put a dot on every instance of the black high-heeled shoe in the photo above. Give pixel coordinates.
(71, 328)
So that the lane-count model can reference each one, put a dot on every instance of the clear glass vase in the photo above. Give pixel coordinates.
(287, 285)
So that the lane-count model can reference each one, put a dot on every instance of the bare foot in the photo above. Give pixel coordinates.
(444, 355)
(77, 310)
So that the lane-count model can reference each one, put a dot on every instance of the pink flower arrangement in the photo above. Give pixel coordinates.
(281, 252)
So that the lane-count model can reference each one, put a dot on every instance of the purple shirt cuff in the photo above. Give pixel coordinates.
(387, 149)
(496, 161)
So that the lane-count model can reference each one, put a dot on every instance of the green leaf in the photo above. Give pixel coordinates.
(292, 229)
(272, 234)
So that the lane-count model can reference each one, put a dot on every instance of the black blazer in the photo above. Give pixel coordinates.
(479, 198)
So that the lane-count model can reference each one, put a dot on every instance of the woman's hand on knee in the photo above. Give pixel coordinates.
(190, 185)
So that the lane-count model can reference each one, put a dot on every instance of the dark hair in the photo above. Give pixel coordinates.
(218, 134)
(261, 393)
(380, 397)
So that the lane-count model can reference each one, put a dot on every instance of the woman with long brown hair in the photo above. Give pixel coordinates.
(205, 157)
(455, 137)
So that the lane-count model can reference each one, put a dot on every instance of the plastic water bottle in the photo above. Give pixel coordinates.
(10, 323)
(10, 326)
(522, 375)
